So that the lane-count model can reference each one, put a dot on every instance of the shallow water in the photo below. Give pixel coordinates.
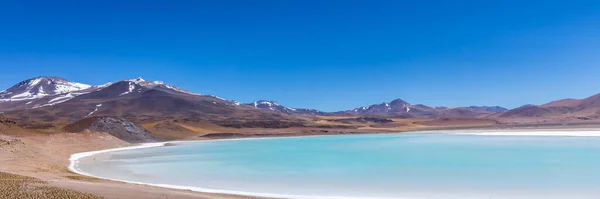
(372, 166)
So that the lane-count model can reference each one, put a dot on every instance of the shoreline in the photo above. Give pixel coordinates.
(73, 159)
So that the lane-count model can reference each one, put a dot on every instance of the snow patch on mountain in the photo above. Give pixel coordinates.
(138, 80)
(130, 89)
(48, 91)
(40, 87)
(63, 97)
(155, 84)
(97, 107)
(394, 106)
(104, 85)
(275, 106)
(217, 97)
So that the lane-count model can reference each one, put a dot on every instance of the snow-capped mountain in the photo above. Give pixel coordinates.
(400, 108)
(141, 100)
(42, 92)
(158, 85)
(394, 106)
(133, 88)
(48, 91)
(271, 105)
(40, 87)
(275, 106)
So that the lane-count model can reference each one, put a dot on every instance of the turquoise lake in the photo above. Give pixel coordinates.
(419, 165)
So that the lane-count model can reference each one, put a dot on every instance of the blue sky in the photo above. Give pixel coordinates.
(330, 55)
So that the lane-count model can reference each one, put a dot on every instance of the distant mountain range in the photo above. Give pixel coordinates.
(583, 109)
(396, 108)
(42, 92)
(275, 106)
(55, 99)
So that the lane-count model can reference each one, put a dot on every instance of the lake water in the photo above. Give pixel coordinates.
(419, 165)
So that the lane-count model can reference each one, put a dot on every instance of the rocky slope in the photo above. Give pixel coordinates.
(122, 129)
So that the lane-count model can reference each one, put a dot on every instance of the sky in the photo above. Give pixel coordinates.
(326, 54)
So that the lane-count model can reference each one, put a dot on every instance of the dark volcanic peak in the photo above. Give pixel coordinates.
(118, 89)
(133, 88)
(143, 82)
(158, 85)
(40, 87)
(399, 102)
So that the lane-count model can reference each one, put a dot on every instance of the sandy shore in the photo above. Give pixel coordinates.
(46, 159)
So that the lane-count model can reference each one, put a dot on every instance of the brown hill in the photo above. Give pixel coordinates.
(562, 103)
(565, 109)
(462, 112)
(536, 111)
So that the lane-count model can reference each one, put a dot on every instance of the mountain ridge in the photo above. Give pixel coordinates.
(47, 91)
(134, 87)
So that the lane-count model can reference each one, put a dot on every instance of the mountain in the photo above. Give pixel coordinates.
(395, 106)
(489, 109)
(587, 108)
(535, 111)
(403, 109)
(562, 103)
(141, 101)
(49, 91)
(124, 88)
(41, 91)
(44, 102)
(39, 87)
(275, 106)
